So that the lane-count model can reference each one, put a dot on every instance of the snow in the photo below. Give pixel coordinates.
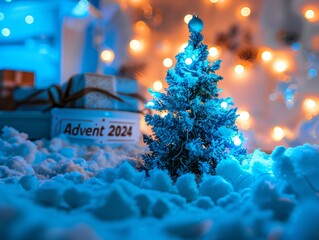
(59, 190)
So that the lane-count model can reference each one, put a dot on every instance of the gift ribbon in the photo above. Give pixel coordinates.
(65, 98)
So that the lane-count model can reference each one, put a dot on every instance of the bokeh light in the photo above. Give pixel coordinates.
(278, 133)
(244, 116)
(183, 46)
(245, 11)
(266, 56)
(214, 52)
(224, 104)
(237, 141)
(136, 45)
(280, 65)
(310, 104)
(5, 32)
(239, 69)
(158, 85)
(187, 18)
(309, 14)
(167, 62)
(29, 19)
(188, 61)
(107, 56)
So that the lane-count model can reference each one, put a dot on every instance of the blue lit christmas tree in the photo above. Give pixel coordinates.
(199, 128)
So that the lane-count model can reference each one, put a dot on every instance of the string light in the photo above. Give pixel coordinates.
(266, 56)
(150, 104)
(245, 11)
(280, 66)
(29, 19)
(107, 56)
(188, 61)
(239, 69)
(187, 18)
(214, 1)
(278, 133)
(213, 52)
(309, 14)
(5, 32)
(167, 62)
(1, 16)
(157, 85)
(224, 104)
(136, 45)
(236, 141)
(163, 114)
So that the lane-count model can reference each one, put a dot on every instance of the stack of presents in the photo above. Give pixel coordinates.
(89, 108)
(41, 54)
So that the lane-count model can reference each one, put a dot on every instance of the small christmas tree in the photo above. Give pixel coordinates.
(196, 129)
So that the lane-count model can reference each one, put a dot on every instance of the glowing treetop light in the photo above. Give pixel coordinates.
(107, 56)
(167, 62)
(236, 141)
(213, 52)
(309, 14)
(188, 61)
(29, 19)
(239, 69)
(5, 32)
(187, 18)
(278, 133)
(245, 11)
(280, 66)
(266, 56)
(224, 104)
(157, 85)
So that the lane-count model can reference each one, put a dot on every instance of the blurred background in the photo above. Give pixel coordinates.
(269, 48)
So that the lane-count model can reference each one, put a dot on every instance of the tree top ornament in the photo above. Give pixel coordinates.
(195, 24)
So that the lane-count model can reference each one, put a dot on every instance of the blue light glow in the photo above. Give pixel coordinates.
(81, 8)
(8, 1)
(224, 104)
(312, 72)
(1, 16)
(150, 104)
(188, 61)
(29, 19)
(5, 32)
(236, 141)
(296, 46)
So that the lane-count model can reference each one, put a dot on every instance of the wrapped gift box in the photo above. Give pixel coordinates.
(9, 79)
(120, 87)
(35, 123)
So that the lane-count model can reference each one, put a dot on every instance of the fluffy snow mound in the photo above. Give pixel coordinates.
(57, 190)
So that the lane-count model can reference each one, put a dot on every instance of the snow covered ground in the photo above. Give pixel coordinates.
(58, 190)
